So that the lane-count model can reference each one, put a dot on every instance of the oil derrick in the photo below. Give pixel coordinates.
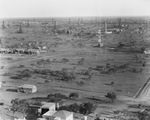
(1, 44)
(78, 21)
(99, 39)
(28, 23)
(20, 28)
(55, 24)
(95, 20)
(3, 25)
(54, 27)
(52, 21)
(119, 23)
(105, 26)
(81, 21)
(69, 21)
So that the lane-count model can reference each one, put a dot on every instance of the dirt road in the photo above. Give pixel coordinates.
(144, 91)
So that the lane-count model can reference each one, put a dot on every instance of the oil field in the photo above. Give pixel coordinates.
(96, 67)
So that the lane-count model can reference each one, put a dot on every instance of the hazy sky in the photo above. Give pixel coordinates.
(66, 8)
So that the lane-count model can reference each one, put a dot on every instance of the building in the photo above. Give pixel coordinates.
(60, 115)
(5, 50)
(47, 107)
(27, 88)
(33, 51)
(63, 115)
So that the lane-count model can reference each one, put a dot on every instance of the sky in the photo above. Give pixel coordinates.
(73, 8)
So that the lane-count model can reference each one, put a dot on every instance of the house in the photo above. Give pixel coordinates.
(49, 115)
(63, 115)
(60, 115)
(47, 107)
(27, 88)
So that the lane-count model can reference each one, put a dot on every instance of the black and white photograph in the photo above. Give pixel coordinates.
(74, 59)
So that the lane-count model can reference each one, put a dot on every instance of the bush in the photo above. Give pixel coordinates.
(56, 97)
(84, 108)
(74, 95)
(111, 95)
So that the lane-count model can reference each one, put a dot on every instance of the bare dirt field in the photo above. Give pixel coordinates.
(73, 62)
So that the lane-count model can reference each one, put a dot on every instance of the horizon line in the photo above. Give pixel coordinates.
(27, 17)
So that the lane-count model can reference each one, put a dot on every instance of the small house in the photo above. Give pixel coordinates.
(47, 107)
(63, 115)
(27, 88)
(60, 115)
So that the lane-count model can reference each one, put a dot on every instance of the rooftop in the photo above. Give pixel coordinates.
(48, 105)
(62, 114)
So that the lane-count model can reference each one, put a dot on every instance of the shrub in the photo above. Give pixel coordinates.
(111, 95)
(74, 95)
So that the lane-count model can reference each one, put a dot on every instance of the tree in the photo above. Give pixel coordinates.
(87, 108)
(111, 95)
(74, 95)
(19, 106)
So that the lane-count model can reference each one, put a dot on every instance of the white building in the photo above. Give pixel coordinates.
(27, 88)
(47, 107)
(60, 115)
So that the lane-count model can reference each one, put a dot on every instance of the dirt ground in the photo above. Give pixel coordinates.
(94, 68)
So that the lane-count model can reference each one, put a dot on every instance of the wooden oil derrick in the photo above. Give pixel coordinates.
(1, 44)
(55, 24)
(78, 21)
(105, 25)
(3, 25)
(28, 23)
(81, 21)
(69, 22)
(119, 23)
(52, 21)
(20, 28)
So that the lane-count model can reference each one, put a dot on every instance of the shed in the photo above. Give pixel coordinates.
(27, 88)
